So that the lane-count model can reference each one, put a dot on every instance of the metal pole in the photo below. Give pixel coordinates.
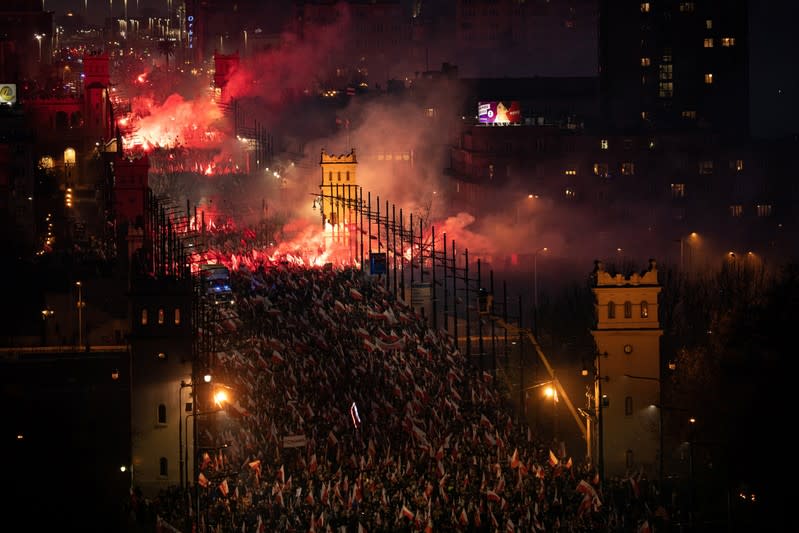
(466, 300)
(444, 284)
(80, 314)
(493, 333)
(535, 294)
(433, 274)
(480, 345)
(454, 295)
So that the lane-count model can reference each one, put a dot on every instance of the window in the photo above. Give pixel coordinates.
(628, 144)
(628, 406)
(645, 7)
(161, 413)
(706, 167)
(709, 42)
(161, 317)
(330, 176)
(628, 309)
(601, 169)
(645, 62)
(628, 458)
(666, 72)
(570, 193)
(737, 165)
(628, 168)
(678, 190)
(144, 317)
(188, 407)
(163, 467)
(666, 89)
(709, 78)
(728, 41)
(690, 114)
(687, 7)
(644, 309)
(338, 174)
(570, 172)
(611, 310)
(644, 115)
(764, 210)
(603, 143)
(347, 176)
(709, 24)
(736, 210)
(177, 316)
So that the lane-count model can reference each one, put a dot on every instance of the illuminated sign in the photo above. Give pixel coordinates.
(8, 93)
(190, 25)
(499, 112)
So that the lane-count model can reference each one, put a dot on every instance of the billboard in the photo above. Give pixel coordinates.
(8, 93)
(509, 112)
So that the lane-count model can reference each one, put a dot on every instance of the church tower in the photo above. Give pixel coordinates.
(627, 386)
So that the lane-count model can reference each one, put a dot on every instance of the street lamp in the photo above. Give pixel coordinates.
(38, 37)
(535, 287)
(183, 385)
(81, 304)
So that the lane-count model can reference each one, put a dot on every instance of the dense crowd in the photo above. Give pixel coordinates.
(350, 412)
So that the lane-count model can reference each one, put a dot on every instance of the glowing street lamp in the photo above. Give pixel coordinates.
(38, 37)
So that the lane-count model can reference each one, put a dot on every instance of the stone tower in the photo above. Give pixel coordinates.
(627, 386)
(338, 181)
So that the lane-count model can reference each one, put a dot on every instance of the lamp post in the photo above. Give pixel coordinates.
(38, 37)
(81, 304)
(183, 385)
(535, 288)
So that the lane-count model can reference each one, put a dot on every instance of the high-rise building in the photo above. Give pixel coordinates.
(675, 65)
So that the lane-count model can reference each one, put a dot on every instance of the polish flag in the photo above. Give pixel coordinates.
(407, 513)
(514, 460)
(223, 488)
(463, 518)
(281, 474)
(202, 480)
(312, 464)
(492, 496)
(553, 460)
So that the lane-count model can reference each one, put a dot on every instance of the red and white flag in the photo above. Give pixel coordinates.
(202, 480)
(312, 465)
(514, 460)
(223, 488)
(407, 513)
(281, 474)
(553, 459)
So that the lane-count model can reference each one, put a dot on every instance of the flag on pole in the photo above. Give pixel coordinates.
(553, 459)
(514, 460)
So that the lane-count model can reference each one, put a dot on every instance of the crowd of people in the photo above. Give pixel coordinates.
(350, 413)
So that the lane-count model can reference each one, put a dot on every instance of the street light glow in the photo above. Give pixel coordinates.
(220, 397)
(549, 392)
(207, 378)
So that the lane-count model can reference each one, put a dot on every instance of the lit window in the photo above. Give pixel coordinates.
(628, 406)
(666, 72)
(728, 41)
(709, 24)
(628, 309)
(708, 78)
(691, 114)
(709, 42)
(161, 413)
(678, 190)
(706, 167)
(736, 210)
(611, 310)
(645, 7)
(144, 317)
(160, 317)
(603, 144)
(570, 193)
(666, 89)
(163, 467)
(380, 156)
(666, 58)
(687, 7)
(645, 62)
(177, 316)
(430, 112)
(644, 310)
(644, 115)
(570, 172)
(764, 210)
(601, 169)
(628, 168)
